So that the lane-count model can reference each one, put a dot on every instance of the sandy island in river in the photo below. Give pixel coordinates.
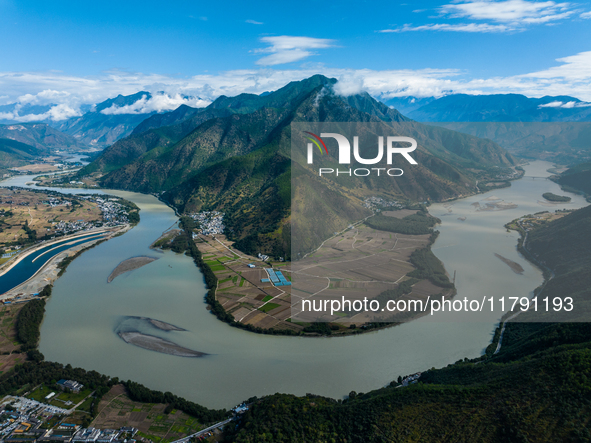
(129, 265)
(159, 324)
(158, 344)
(515, 267)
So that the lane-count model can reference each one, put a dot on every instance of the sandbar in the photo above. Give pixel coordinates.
(129, 265)
(515, 267)
(158, 344)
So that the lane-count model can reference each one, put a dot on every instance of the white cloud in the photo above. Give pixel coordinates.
(288, 49)
(570, 76)
(465, 27)
(586, 15)
(567, 105)
(254, 22)
(349, 85)
(157, 103)
(509, 11)
(502, 16)
(574, 68)
(55, 113)
(556, 104)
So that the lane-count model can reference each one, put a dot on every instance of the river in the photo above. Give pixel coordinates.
(84, 311)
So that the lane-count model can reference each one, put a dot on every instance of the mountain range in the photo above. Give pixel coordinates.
(495, 108)
(40, 136)
(14, 153)
(556, 129)
(234, 156)
(100, 124)
(100, 127)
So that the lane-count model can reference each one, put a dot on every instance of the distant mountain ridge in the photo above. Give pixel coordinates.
(501, 108)
(99, 129)
(38, 135)
(14, 153)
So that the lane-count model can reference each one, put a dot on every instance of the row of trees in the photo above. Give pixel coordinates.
(415, 224)
(138, 392)
(28, 323)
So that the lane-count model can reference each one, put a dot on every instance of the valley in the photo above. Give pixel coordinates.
(232, 192)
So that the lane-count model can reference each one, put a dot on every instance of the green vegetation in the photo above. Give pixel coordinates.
(533, 390)
(14, 153)
(138, 392)
(29, 322)
(415, 224)
(556, 198)
(61, 397)
(563, 246)
(577, 178)
(268, 307)
(429, 266)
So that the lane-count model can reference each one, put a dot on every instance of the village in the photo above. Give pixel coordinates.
(28, 216)
(113, 214)
(210, 222)
(378, 203)
(24, 419)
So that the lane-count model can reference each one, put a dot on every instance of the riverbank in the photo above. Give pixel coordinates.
(51, 268)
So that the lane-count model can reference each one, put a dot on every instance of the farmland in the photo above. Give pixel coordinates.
(8, 342)
(116, 410)
(22, 207)
(240, 290)
(359, 262)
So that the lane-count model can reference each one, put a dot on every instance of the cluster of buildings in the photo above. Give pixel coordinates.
(22, 421)
(53, 202)
(378, 203)
(411, 379)
(210, 222)
(113, 213)
(65, 227)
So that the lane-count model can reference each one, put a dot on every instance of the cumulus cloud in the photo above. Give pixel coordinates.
(288, 49)
(55, 113)
(586, 15)
(159, 102)
(349, 85)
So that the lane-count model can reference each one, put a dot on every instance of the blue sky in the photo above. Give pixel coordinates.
(73, 52)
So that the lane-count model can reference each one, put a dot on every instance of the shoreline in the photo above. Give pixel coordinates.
(50, 271)
(35, 247)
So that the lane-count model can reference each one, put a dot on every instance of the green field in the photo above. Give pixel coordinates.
(61, 398)
(268, 307)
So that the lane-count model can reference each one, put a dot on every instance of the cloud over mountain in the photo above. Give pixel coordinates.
(63, 95)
